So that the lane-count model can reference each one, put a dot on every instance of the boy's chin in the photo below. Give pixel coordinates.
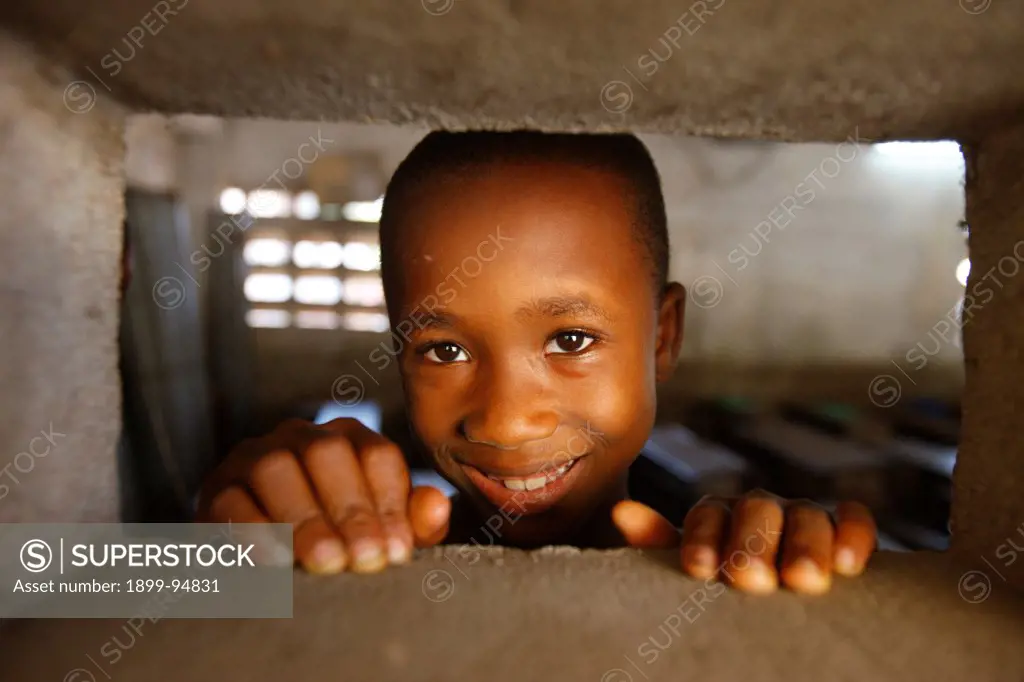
(557, 525)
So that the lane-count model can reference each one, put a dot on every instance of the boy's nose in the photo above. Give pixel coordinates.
(510, 414)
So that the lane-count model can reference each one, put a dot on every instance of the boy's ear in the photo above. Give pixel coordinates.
(670, 330)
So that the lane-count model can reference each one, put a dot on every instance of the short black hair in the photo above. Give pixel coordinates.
(447, 152)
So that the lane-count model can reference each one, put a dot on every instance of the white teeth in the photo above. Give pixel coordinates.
(535, 482)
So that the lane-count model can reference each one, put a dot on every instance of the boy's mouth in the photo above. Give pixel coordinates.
(533, 493)
(534, 482)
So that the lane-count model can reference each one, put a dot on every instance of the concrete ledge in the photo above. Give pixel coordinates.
(798, 69)
(468, 613)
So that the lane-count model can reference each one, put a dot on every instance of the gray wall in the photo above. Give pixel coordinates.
(60, 240)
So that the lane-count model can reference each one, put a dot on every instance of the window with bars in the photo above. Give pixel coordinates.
(307, 272)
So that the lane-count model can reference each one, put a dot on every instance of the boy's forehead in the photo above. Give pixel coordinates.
(515, 227)
(451, 217)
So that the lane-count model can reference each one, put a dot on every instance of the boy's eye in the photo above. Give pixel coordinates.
(445, 353)
(569, 342)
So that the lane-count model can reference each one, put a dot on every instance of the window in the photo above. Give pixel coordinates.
(363, 211)
(316, 319)
(365, 322)
(367, 292)
(267, 317)
(267, 252)
(269, 203)
(963, 269)
(232, 201)
(266, 287)
(361, 256)
(318, 255)
(324, 279)
(318, 289)
(306, 206)
(943, 156)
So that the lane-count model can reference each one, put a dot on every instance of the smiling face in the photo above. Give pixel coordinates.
(532, 337)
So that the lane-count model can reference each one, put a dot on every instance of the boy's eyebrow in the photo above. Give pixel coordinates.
(553, 306)
(563, 306)
(433, 319)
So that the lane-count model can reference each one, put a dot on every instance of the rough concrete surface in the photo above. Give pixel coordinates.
(799, 69)
(741, 68)
(558, 614)
(60, 251)
(988, 504)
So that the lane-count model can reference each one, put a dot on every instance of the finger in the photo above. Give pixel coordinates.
(281, 487)
(430, 512)
(338, 478)
(703, 537)
(856, 538)
(235, 507)
(387, 476)
(807, 549)
(643, 527)
(233, 469)
(749, 562)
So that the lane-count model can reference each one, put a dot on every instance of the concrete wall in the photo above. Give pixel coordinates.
(151, 153)
(61, 178)
(803, 70)
(988, 504)
(798, 70)
(505, 616)
(802, 253)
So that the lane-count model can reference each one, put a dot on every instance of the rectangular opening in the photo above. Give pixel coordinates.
(821, 356)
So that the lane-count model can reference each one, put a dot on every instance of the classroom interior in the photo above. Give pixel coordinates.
(822, 354)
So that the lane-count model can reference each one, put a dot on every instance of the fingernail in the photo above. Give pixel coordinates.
(398, 553)
(846, 561)
(702, 557)
(805, 566)
(367, 557)
(806, 576)
(276, 554)
(328, 557)
(761, 578)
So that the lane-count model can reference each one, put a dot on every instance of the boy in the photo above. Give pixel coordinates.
(528, 276)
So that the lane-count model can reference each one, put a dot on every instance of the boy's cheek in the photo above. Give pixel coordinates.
(430, 413)
(620, 410)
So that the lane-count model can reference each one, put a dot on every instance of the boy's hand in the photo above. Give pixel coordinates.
(741, 540)
(344, 488)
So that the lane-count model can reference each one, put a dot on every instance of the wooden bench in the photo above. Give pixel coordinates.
(804, 462)
(676, 468)
(913, 535)
(718, 419)
(839, 419)
(928, 421)
(924, 480)
(921, 471)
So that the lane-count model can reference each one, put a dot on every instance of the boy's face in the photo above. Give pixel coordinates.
(532, 340)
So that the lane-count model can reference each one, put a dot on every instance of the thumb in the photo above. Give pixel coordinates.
(644, 527)
(429, 513)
